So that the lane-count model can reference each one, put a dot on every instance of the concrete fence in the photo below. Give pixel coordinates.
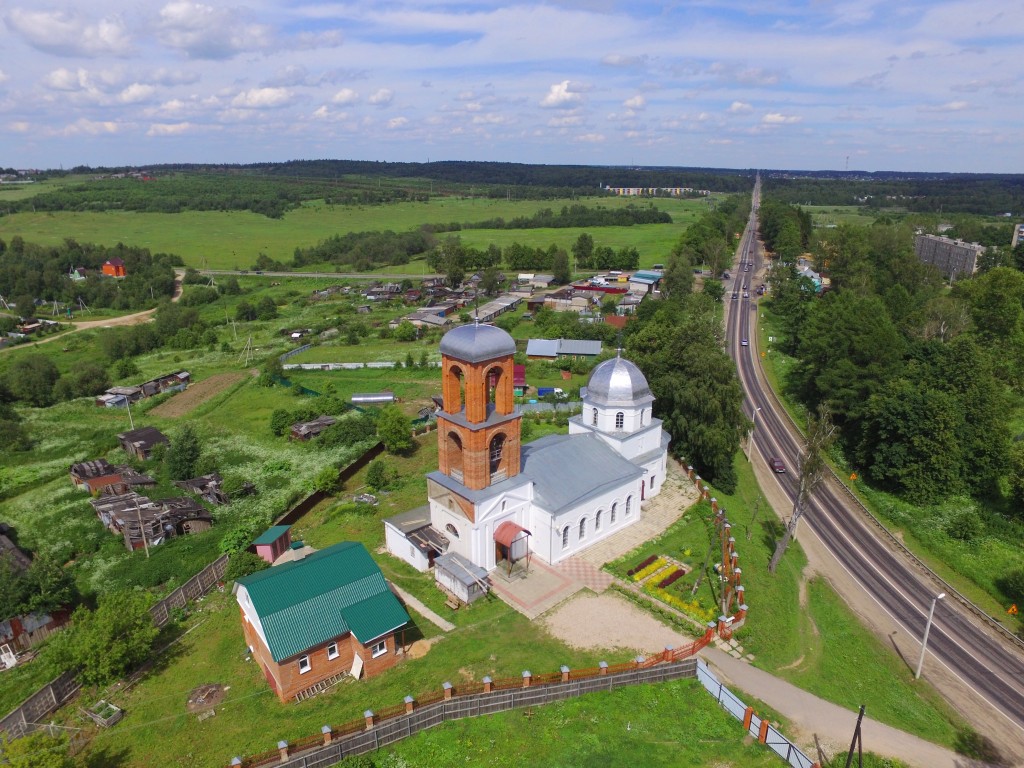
(195, 587)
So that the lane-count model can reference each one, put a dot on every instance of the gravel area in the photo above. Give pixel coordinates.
(609, 622)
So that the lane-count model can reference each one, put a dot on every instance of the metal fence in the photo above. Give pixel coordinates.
(374, 732)
(763, 731)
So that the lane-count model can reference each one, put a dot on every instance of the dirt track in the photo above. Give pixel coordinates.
(197, 394)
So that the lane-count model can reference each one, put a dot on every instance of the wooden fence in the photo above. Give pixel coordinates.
(55, 693)
(379, 729)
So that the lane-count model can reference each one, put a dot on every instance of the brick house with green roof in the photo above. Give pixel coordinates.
(311, 621)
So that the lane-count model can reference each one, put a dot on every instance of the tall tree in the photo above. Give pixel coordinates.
(394, 430)
(183, 455)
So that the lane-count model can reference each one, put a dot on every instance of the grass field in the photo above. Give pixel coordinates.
(824, 215)
(233, 239)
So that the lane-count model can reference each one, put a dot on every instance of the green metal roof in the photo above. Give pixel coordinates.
(272, 534)
(310, 601)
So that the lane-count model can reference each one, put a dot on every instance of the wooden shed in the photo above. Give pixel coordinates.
(273, 543)
(459, 578)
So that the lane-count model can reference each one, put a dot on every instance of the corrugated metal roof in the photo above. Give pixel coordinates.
(305, 603)
(567, 469)
(542, 348)
(272, 534)
(579, 347)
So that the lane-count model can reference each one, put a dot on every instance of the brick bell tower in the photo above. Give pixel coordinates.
(478, 432)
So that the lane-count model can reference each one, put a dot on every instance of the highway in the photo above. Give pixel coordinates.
(968, 649)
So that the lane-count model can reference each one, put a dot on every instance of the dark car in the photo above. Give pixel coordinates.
(776, 464)
(735, 295)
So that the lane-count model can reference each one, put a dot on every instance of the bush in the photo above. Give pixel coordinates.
(965, 525)
(1012, 585)
(244, 563)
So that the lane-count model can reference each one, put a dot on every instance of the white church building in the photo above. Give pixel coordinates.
(493, 499)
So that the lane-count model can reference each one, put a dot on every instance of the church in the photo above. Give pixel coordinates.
(494, 499)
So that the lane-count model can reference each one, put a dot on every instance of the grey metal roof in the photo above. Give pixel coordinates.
(542, 348)
(475, 343)
(568, 469)
(618, 382)
(461, 569)
(410, 521)
(579, 347)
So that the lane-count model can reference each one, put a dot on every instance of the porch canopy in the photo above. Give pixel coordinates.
(508, 534)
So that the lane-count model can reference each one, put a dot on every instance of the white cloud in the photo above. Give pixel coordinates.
(777, 118)
(262, 98)
(345, 96)
(67, 34)
(65, 80)
(591, 138)
(617, 60)
(560, 96)
(740, 107)
(950, 106)
(205, 32)
(136, 92)
(397, 122)
(169, 129)
(3, 76)
(563, 121)
(89, 127)
(635, 102)
(19, 126)
(322, 113)
(382, 97)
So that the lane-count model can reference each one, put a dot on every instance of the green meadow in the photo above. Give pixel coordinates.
(234, 239)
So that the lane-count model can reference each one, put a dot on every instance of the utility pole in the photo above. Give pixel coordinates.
(128, 405)
(856, 742)
(927, 629)
(811, 466)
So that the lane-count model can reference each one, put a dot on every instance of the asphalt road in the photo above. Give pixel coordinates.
(984, 661)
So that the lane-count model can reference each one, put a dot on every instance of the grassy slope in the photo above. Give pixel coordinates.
(233, 239)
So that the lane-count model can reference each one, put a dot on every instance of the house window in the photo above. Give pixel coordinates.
(565, 537)
(593, 418)
(615, 508)
(332, 651)
(379, 649)
(412, 551)
(620, 420)
(597, 520)
(452, 530)
(304, 665)
(652, 482)
(629, 505)
(583, 529)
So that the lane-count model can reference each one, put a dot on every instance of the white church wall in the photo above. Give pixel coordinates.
(403, 549)
(548, 538)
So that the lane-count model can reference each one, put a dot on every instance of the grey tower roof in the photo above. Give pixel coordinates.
(473, 343)
(618, 382)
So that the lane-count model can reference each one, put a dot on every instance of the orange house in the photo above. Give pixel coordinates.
(114, 268)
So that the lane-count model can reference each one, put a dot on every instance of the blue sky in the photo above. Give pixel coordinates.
(880, 85)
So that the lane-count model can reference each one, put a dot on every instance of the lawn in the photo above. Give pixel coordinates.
(825, 215)
(234, 239)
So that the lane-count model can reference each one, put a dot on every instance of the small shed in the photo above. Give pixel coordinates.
(460, 578)
(274, 543)
(411, 537)
(141, 442)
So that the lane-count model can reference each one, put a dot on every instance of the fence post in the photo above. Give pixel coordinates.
(565, 673)
(762, 732)
(328, 734)
(409, 703)
(368, 716)
(488, 684)
(236, 761)
(748, 713)
(282, 747)
(447, 691)
(527, 676)
(603, 666)
(666, 655)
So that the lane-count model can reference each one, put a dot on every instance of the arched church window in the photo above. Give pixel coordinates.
(452, 530)
(593, 418)
(597, 520)
(615, 508)
(620, 420)
(583, 529)
(642, 412)
(454, 456)
(565, 537)
(497, 449)
(629, 505)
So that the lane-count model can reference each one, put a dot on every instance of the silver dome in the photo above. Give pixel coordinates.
(618, 382)
(474, 343)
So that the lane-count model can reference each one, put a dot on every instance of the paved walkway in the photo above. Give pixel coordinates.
(536, 589)
(833, 724)
(421, 609)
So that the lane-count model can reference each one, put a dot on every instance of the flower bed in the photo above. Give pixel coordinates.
(672, 578)
(691, 608)
(655, 566)
(642, 565)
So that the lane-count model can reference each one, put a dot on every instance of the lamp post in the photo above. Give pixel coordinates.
(927, 629)
(750, 435)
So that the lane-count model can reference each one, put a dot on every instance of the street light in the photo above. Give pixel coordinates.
(750, 436)
(927, 629)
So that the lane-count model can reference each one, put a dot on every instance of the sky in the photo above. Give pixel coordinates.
(933, 85)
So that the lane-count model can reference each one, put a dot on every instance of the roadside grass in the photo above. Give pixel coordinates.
(972, 566)
(820, 645)
(670, 724)
(823, 215)
(234, 239)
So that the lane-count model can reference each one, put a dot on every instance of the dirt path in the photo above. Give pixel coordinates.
(197, 394)
(609, 622)
(83, 325)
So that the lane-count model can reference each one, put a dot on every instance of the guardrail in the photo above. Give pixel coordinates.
(869, 517)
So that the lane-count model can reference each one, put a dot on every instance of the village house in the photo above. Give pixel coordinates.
(143, 523)
(96, 475)
(310, 622)
(141, 442)
(307, 430)
(114, 268)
